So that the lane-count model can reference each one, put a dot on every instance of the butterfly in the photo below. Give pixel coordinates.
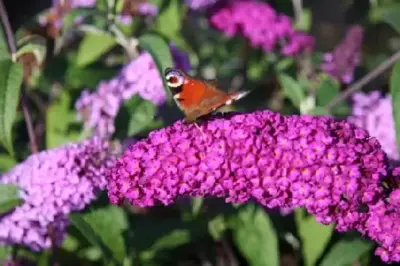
(196, 97)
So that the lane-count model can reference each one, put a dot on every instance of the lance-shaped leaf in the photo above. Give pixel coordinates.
(256, 238)
(395, 94)
(10, 85)
(159, 50)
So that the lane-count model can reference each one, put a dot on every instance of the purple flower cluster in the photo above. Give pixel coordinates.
(373, 112)
(332, 168)
(262, 26)
(346, 57)
(384, 226)
(141, 76)
(53, 183)
(200, 4)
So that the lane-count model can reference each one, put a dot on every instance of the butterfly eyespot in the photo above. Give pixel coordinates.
(174, 78)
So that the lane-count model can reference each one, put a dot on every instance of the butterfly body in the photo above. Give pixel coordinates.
(196, 97)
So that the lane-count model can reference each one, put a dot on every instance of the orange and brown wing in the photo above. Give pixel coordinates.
(199, 98)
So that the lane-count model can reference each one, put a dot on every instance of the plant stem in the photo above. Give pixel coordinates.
(12, 46)
(298, 10)
(385, 65)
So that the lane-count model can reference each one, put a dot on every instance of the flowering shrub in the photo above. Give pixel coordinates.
(99, 167)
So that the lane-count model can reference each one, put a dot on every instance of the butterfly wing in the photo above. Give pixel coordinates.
(197, 97)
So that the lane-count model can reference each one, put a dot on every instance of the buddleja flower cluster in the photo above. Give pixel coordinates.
(332, 168)
(53, 183)
(346, 57)
(374, 113)
(262, 26)
(141, 76)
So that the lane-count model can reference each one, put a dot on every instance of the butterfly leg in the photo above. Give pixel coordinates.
(201, 131)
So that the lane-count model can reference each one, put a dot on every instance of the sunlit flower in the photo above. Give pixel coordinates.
(262, 26)
(374, 113)
(53, 183)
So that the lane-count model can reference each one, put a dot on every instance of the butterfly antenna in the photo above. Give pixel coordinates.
(240, 95)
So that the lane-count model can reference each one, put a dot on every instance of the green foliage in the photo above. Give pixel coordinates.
(9, 197)
(10, 85)
(327, 91)
(159, 50)
(256, 237)
(345, 252)
(93, 46)
(169, 22)
(292, 89)
(59, 118)
(6, 162)
(388, 14)
(135, 116)
(104, 229)
(395, 94)
(314, 236)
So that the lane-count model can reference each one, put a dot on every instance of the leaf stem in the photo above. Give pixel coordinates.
(385, 65)
(12, 46)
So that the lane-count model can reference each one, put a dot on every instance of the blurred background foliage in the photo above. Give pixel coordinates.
(195, 231)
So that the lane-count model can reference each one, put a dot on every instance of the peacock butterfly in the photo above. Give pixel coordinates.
(196, 97)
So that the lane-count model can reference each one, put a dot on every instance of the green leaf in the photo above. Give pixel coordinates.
(169, 21)
(58, 117)
(341, 109)
(4, 51)
(10, 85)
(197, 203)
(395, 94)
(87, 231)
(149, 236)
(159, 50)
(141, 117)
(6, 162)
(346, 252)
(93, 46)
(292, 89)
(104, 229)
(9, 197)
(4, 252)
(328, 90)
(255, 237)
(314, 236)
(388, 14)
(217, 226)
(319, 110)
